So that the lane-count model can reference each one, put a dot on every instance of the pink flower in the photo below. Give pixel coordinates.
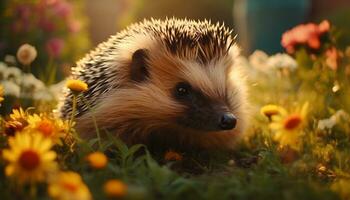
(54, 47)
(305, 34)
(74, 25)
(62, 8)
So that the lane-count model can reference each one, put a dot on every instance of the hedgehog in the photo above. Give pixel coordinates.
(170, 83)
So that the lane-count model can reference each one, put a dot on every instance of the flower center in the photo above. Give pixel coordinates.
(292, 122)
(270, 113)
(25, 55)
(29, 160)
(46, 128)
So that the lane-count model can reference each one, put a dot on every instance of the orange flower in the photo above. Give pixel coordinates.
(172, 156)
(68, 185)
(97, 160)
(115, 188)
(48, 126)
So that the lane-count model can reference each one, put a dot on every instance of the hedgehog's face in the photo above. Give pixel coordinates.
(202, 112)
(202, 92)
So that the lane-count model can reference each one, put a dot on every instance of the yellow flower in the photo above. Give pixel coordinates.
(49, 127)
(26, 54)
(172, 156)
(77, 85)
(97, 160)
(1, 93)
(287, 126)
(68, 186)
(115, 188)
(11, 127)
(30, 158)
(342, 188)
(17, 122)
(270, 110)
(19, 115)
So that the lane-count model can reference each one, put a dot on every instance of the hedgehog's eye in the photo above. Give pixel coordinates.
(183, 89)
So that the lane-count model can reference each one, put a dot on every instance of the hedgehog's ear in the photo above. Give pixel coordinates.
(139, 68)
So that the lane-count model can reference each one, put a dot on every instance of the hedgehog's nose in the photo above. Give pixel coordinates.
(228, 121)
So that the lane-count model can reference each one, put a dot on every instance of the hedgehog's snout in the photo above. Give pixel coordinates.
(227, 121)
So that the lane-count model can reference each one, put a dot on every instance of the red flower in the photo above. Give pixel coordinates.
(305, 34)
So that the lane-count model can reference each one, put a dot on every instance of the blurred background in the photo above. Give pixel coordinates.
(63, 30)
(258, 23)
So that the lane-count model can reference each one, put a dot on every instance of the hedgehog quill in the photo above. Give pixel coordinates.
(169, 83)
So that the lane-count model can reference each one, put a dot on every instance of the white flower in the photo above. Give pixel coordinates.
(329, 123)
(3, 68)
(11, 88)
(13, 74)
(326, 123)
(280, 61)
(258, 61)
(30, 85)
(26, 54)
(10, 59)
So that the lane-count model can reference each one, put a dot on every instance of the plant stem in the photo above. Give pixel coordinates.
(71, 121)
(95, 123)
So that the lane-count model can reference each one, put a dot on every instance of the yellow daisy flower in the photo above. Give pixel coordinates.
(115, 188)
(287, 126)
(30, 158)
(49, 127)
(19, 116)
(77, 85)
(68, 186)
(97, 160)
(11, 127)
(17, 122)
(271, 109)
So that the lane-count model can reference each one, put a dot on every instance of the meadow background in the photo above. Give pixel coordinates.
(296, 55)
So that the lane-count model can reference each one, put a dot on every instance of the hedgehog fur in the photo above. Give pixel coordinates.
(163, 83)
